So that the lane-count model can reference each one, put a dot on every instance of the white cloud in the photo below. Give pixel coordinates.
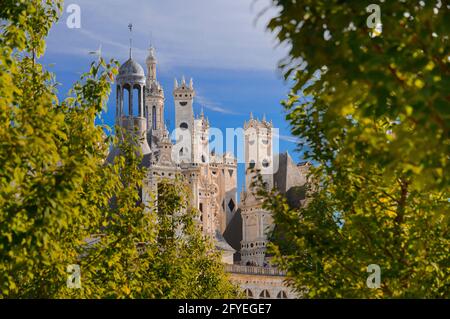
(213, 106)
(194, 33)
(288, 138)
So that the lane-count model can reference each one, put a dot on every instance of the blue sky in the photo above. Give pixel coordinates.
(219, 43)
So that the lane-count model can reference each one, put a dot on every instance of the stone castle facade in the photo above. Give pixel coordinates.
(240, 229)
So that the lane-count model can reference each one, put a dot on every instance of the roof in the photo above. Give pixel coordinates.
(222, 244)
(131, 67)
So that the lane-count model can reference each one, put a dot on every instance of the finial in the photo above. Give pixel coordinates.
(264, 117)
(202, 114)
(251, 115)
(130, 26)
(175, 83)
(183, 80)
(191, 84)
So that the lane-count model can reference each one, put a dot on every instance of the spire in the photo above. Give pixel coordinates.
(130, 26)
(175, 83)
(251, 115)
(151, 68)
(191, 84)
(151, 52)
(264, 117)
(202, 114)
(183, 80)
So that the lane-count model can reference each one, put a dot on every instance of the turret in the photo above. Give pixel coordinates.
(184, 119)
(154, 100)
(131, 79)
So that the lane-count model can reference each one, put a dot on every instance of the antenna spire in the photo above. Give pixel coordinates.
(130, 26)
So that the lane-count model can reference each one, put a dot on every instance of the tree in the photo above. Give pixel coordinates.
(44, 159)
(370, 102)
(186, 261)
(61, 203)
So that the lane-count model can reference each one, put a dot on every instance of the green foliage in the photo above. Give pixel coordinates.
(375, 120)
(61, 203)
(186, 262)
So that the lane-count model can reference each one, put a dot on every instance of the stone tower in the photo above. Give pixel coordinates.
(184, 120)
(259, 157)
(256, 222)
(200, 145)
(154, 101)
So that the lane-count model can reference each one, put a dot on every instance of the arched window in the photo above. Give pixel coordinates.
(203, 159)
(252, 164)
(264, 294)
(118, 100)
(154, 117)
(126, 100)
(282, 295)
(136, 101)
(248, 293)
(184, 125)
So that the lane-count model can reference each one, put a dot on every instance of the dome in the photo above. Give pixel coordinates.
(131, 67)
(131, 73)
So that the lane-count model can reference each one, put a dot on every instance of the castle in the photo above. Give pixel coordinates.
(239, 229)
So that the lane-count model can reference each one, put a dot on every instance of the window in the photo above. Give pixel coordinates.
(184, 126)
(154, 117)
(231, 205)
(265, 163)
(203, 159)
(248, 293)
(252, 164)
(183, 103)
(230, 171)
(201, 207)
(264, 294)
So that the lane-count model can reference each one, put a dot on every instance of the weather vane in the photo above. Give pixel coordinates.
(98, 52)
(130, 26)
